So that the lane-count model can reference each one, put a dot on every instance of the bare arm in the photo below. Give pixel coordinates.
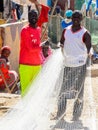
(37, 5)
(62, 38)
(87, 41)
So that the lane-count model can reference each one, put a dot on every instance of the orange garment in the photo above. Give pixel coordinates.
(9, 76)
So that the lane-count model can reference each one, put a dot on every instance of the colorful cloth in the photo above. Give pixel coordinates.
(27, 75)
(65, 24)
(9, 75)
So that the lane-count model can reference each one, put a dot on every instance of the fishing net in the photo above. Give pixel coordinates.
(92, 26)
(54, 28)
(47, 96)
(33, 111)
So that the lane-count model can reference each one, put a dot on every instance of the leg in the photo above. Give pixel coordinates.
(27, 76)
(78, 104)
(77, 110)
(62, 101)
(61, 105)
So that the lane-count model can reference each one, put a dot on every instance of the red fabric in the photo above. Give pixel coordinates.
(43, 15)
(9, 75)
(30, 50)
(4, 70)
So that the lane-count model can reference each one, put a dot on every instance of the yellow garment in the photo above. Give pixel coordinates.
(27, 75)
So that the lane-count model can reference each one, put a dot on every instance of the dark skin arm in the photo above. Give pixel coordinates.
(87, 41)
(62, 38)
(37, 5)
(45, 50)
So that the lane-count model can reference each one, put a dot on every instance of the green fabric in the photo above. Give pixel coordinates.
(78, 4)
(27, 75)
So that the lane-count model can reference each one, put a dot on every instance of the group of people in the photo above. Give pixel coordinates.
(75, 45)
(33, 51)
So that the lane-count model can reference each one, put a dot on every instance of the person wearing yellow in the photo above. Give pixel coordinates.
(30, 59)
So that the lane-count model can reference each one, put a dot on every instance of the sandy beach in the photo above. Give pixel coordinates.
(7, 101)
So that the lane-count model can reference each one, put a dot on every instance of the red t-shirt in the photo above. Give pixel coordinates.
(30, 50)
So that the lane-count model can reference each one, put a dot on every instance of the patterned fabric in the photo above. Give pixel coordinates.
(73, 80)
(72, 87)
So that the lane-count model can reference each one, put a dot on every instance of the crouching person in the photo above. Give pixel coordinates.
(8, 77)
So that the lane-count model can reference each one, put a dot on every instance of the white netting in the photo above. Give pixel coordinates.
(34, 111)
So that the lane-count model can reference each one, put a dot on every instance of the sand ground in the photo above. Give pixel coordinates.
(7, 101)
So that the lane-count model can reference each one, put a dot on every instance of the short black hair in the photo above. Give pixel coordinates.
(77, 13)
(32, 11)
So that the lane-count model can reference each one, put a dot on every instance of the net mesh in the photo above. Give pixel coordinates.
(54, 29)
(92, 26)
(48, 95)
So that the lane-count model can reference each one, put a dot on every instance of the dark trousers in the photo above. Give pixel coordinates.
(72, 87)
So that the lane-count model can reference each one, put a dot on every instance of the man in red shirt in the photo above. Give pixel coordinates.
(30, 50)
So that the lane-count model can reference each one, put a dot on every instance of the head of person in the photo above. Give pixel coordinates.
(45, 48)
(5, 51)
(68, 14)
(58, 9)
(33, 17)
(77, 17)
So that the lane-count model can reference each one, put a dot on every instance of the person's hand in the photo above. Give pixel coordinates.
(37, 5)
(45, 50)
(61, 45)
